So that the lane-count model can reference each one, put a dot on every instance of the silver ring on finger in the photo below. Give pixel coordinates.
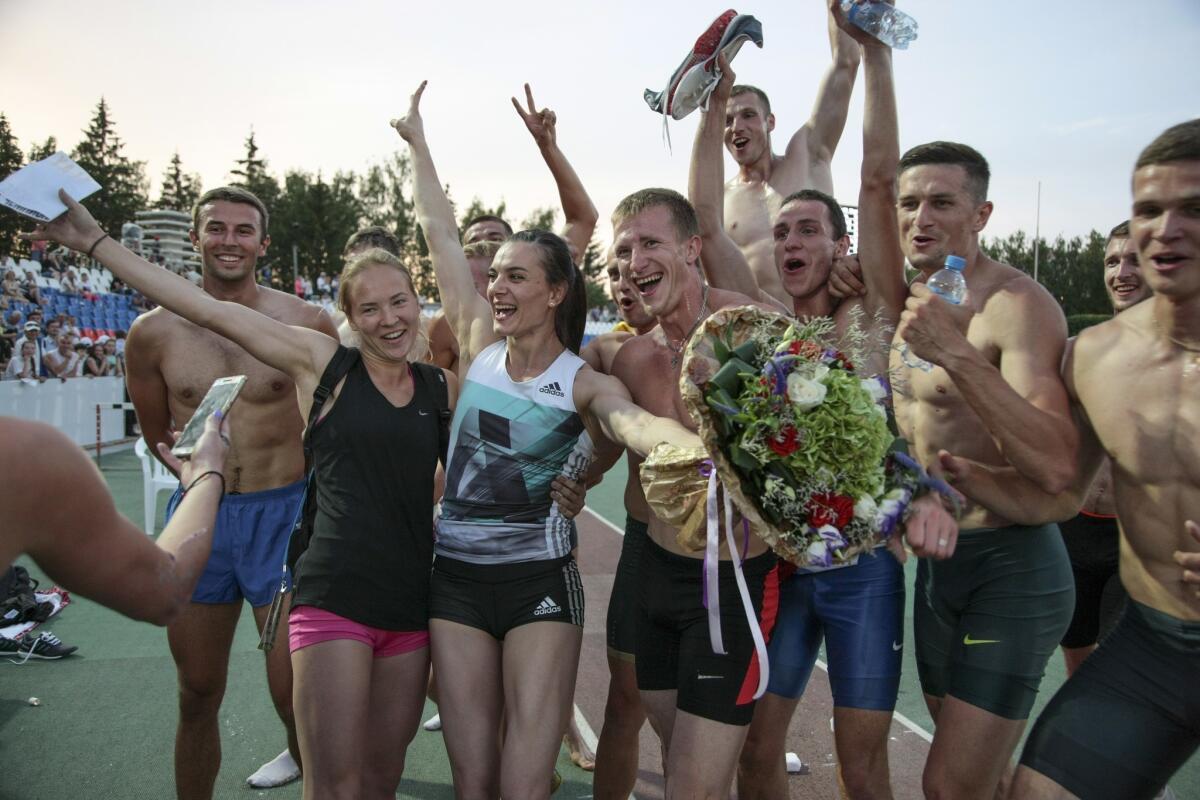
(942, 542)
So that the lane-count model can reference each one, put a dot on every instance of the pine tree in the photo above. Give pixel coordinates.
(122, 181)
(180, 190)
(10, 161)
(540, 218)
(251, 174)
(44, 150)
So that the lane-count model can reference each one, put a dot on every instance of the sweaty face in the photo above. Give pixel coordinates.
(651, 257)
(937, 215)
(230, 240)
(488, 230)
(521, 298)
(385, 312)
(804, 247)
(747, 128)
(1123, 275)
(1165, 227)
(624, 294)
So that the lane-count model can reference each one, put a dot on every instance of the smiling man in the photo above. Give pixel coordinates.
(170, 364)
(755, 195)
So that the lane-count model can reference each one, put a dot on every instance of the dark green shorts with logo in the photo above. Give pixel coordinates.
(988, 618)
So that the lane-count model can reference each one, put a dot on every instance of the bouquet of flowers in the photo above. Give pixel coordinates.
(799, 439)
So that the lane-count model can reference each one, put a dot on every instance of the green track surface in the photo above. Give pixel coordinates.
(105, 726)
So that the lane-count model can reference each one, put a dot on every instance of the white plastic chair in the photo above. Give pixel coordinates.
(155, 478)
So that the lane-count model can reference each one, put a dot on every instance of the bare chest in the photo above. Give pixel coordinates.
(193, 358)
(749, 209)
(653, 383)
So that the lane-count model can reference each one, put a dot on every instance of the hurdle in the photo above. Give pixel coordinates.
(107, 407)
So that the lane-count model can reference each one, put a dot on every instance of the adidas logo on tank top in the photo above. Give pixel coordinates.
(552, 388)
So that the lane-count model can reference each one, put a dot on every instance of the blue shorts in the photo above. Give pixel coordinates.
(249, 545)
(859, 611)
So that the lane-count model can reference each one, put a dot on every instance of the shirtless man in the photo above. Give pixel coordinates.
(988, 617)
(579, 212)
(170, 365)
(1142, 366)
(754, 196)
(857, 608)
(1091, 536)
(617, 749)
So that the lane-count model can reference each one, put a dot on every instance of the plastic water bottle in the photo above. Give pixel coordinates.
(886, 23)
(949, 284)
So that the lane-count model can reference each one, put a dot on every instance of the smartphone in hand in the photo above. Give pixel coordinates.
(220, 397)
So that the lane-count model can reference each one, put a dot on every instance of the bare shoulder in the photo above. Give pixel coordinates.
(600, 351)
(152, 330)
(723, 298)
(1013, 289)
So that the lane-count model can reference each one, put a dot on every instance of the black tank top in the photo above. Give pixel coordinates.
(372, 544)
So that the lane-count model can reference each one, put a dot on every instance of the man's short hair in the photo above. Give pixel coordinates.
(1177, 143)
(745, 88)
(837, 217)
(489, 218)
(683, 216)
(231, 194)
(1118, 232)
(484, 249)
(965, 156)
(371, 237)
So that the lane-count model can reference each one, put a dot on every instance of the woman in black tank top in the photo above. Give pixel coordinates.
(375, 459)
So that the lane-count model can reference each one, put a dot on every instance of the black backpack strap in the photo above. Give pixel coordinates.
(338, 367)
(435, 378)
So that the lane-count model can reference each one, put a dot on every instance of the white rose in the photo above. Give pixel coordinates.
(818, 552)
(866, 508)
(804, 393)
(820, 371)
(874, 387)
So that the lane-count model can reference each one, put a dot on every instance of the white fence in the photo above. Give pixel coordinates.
(69, 406)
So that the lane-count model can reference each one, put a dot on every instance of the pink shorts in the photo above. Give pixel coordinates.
(309, 625)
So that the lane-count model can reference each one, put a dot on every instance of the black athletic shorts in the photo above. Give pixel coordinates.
(987, 619)
(1093, 543)
(622, 603)
(1129, 717)
(674, 651)
(499, 597)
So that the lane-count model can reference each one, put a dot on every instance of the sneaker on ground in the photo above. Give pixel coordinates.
(434, 723)
(280, 770)
(46, 646)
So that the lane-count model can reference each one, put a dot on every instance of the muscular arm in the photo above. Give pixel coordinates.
(879, 249)
(145, 382)
(631, 425)
(817, 140)
(580, 214)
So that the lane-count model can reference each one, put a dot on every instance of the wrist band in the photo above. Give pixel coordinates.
(92, 249)
(204, 475)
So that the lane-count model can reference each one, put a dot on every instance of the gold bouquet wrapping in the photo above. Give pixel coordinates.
(675, 490)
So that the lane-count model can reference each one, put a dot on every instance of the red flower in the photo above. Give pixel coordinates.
(784, 443)
(810, 350)
(827, 508)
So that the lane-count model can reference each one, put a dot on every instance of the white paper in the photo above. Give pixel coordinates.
(33, 190)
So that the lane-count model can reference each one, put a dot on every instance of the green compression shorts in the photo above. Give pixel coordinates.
(988, 618)
(1130, 715)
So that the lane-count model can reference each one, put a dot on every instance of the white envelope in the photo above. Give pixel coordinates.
(33, 189)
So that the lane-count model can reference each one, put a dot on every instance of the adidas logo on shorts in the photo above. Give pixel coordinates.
(552, 388)
(547, 606)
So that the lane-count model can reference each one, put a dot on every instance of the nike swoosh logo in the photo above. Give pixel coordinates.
(896, 646)
(423, 413)
(709, 677)
(969, 641)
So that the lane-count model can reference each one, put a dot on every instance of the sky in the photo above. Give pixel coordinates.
(1062, 93)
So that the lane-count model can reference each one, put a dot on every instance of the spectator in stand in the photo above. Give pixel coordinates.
(71, 326)
(119, 344)
(23, 366)
(8, 337)
(37, 250)
(50, 335)
(96, 365)
(33, 334)
(65, 360)
(29, 288)
(115, 360)
(299, 286)
(11, 286)
(69, 283)
(322, 284)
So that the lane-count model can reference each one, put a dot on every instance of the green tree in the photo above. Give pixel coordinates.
(385, 194)
(1070, 269)
(594, 264)
(10, 161)
(44, 150)
(180, 190)
(122, 181)
(477, 208)
(317, 216)
(540, 218)
(251, 173)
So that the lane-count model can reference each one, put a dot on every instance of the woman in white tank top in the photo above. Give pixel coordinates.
(529, 409)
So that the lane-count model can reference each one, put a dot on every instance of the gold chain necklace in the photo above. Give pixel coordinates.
(677, 350)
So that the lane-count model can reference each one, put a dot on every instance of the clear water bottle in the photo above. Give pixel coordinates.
(886, 23)
(949, 284)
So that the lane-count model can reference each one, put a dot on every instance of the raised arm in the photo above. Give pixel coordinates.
(879, 250)
(722, 260)
(818, 139)
(581, 215)
(465, 310)
(299, 352)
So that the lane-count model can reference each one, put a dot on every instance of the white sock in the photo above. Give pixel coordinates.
(434, 723)
(276, 772)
